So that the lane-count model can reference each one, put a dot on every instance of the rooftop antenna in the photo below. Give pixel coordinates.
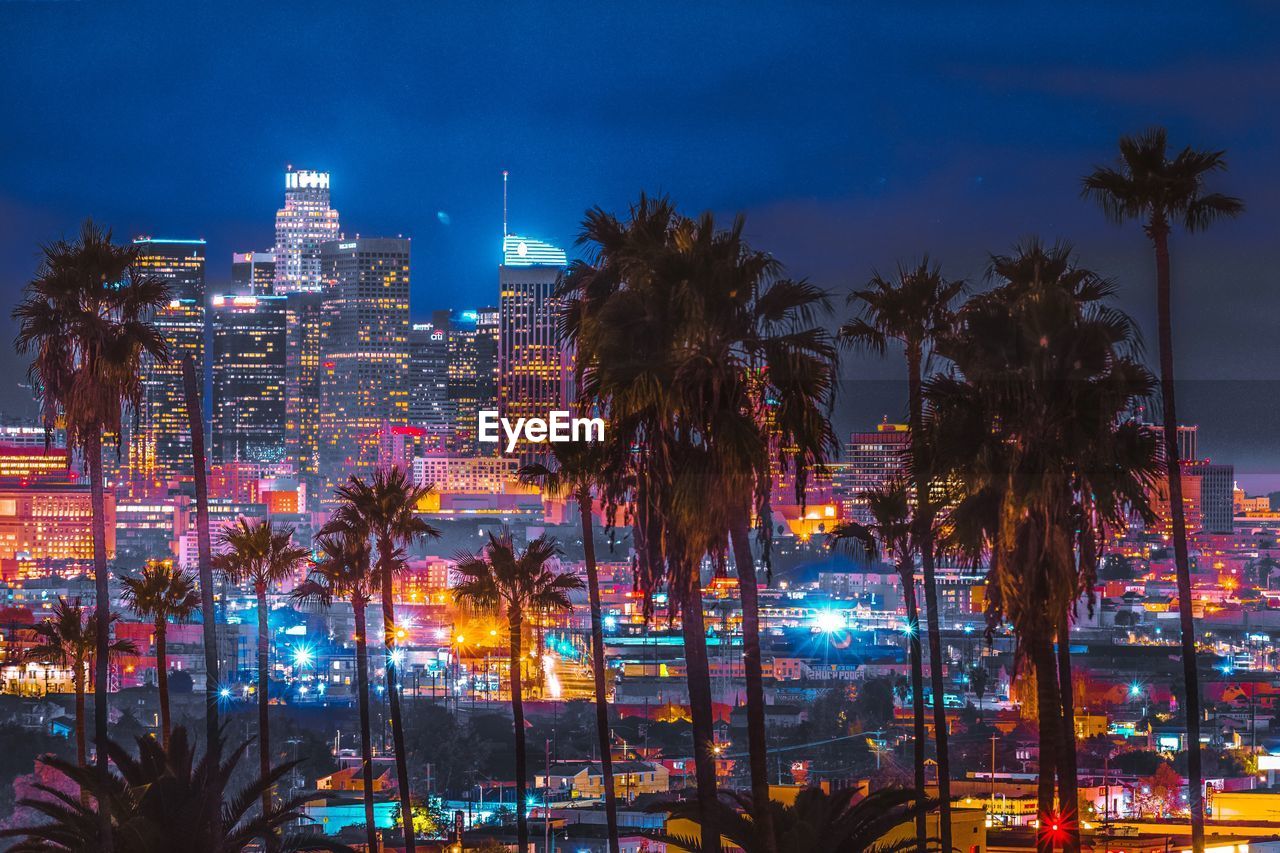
(505, 232)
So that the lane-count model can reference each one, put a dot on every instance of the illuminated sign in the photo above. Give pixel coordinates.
(305, 179)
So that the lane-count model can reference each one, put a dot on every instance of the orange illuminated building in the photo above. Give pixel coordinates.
(26, 463)
(48, 525)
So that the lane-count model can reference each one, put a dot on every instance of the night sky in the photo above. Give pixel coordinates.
(850, 138)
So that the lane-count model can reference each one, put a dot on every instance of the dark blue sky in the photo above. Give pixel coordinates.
(850, 137)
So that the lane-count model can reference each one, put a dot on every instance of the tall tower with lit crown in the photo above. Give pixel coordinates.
(304, 223)
(533, 366)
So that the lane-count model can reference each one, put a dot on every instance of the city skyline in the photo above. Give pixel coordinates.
(830, 184)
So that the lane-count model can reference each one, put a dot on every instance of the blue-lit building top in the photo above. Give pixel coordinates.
(524, 252)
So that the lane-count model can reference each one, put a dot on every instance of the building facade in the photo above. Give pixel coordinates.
(533, 366)
(253, 272)
(429, 403)
(364, 360)
(473, 371)
(161, 447)
(304, 328)
(248, 378)
(304, 224)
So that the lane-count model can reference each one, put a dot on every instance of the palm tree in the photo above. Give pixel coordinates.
(705, 360)
(1030, 419)
(163, 800)
(1159, 191)
(913, 310)
(817, 822)
(85, 319)
(193, 392)
(162, 593)
(890, 533)
(501, 579)
(69, 640)
(343, 572)
(385, 511)
(264, 555)
(578, 467)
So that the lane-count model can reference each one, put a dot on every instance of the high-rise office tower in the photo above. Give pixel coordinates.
(532, 364)
(429, 403)
(871, 459)
(248, 378)
(302, 225)
(161, 447)
(473, 371)
(364, 358)
(253, 272)
(304, 327)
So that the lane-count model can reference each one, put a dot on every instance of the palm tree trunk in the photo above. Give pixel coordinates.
(1068, 784)
(517, 714)
(698, 675)
(917, 696)
(1050, 725)
(385, 550)
(102, 605)
(82, 756)
(1159, 231)
(77, 683)
(366, 735)
(264, 725)
(212, 683)
(162, 681)
(753, 669)
(597, 667)
(924, 543)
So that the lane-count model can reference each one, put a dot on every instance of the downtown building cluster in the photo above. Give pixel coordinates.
(309, 369)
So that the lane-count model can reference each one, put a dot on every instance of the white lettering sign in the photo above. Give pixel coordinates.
(560, 427)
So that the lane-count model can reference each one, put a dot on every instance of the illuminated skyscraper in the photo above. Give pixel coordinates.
(253, 272)
(870, 460)
(364, 351)
(161, 447)
(248, 378)
(304, 324)
(429, 403)
(302, 225)
(473, 370)
(532, 364)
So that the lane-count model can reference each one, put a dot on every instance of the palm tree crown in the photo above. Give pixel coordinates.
(85, 318)
(515, 581)
(67, 638)
(161, 592)
(259, 553)
(1160, 190)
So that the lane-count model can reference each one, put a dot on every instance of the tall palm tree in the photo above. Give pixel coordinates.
(889, 533)
(578, 467)
(162, 593)
(501, 579)
(384, 510)
(913, 309)
(706, 361)
(622, 316)
(261, 554)
(343, 571)
(193, 391)
(70, 640)
(86, 321)
(162, 800)
(1030, 417)
(1159, 190)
